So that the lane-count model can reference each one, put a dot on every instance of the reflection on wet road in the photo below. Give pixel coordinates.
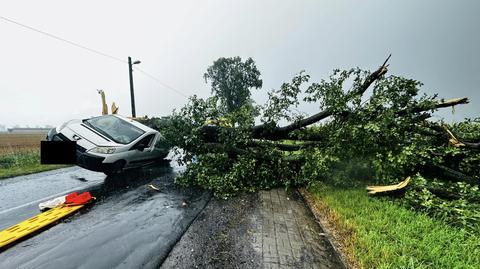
(129, 226)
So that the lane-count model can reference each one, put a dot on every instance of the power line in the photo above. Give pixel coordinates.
(63, 40)
(160, 82)
(91, 50)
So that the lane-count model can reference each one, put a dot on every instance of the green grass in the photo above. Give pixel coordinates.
(387, 235)
(24, 163)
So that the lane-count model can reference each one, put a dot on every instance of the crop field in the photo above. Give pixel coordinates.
(20, 143)
(20, 154)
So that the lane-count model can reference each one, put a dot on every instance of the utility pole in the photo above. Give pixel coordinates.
(132, 95)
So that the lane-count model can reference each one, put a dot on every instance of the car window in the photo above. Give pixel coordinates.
(161, 143)
(114, 128)
(147, 140)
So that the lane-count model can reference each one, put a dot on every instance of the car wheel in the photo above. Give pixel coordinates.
(116, 168)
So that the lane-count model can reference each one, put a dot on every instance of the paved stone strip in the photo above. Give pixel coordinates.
(269, 229)
(287, 236)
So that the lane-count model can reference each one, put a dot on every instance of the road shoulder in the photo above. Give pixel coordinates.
(269, 229)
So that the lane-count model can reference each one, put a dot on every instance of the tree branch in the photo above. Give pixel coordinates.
(444, 133)
(283, 146)
(443, 172)
(448, 103)
(453, 102)
(262, 131)
(472, 145)
(457, 142)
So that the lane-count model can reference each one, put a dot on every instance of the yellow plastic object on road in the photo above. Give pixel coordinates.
(379, 189)
(36, 223)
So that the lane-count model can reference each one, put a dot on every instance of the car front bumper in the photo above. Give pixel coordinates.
(93, 162)
(84, 159)
(90, 161)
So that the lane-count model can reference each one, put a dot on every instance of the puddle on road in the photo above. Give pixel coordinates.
(130, 226)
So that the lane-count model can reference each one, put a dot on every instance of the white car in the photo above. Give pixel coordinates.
(111, 143)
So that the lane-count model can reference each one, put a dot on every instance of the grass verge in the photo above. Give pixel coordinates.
(378, 233)
(18, 164)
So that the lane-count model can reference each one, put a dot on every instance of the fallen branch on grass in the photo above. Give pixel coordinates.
(388, 188)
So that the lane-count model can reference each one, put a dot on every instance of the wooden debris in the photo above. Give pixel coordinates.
(387, 188)
(153, 187)
(453, 140)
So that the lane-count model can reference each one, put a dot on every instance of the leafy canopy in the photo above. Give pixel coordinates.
(231, 80)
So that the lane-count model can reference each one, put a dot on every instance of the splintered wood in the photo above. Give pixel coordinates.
(387, 188)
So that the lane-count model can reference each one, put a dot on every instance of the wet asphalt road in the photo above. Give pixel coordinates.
(129, 226)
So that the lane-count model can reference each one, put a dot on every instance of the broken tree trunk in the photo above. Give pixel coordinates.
(456, 142)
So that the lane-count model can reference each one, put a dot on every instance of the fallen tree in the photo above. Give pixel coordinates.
(369, 128)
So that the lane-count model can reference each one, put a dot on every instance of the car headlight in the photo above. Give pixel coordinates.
(103, 150)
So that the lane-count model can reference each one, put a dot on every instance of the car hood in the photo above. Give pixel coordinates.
(76, 130)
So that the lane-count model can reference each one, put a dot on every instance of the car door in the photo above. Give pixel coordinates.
(142, 151)
(161, 147)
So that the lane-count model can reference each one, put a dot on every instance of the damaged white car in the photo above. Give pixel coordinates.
(111, 143)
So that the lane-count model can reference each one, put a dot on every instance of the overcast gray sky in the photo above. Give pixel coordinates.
(46, 81)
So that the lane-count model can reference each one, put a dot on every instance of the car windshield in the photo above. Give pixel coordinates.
(114, 128)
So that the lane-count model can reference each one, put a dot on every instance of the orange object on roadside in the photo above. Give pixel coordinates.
(78, 199)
